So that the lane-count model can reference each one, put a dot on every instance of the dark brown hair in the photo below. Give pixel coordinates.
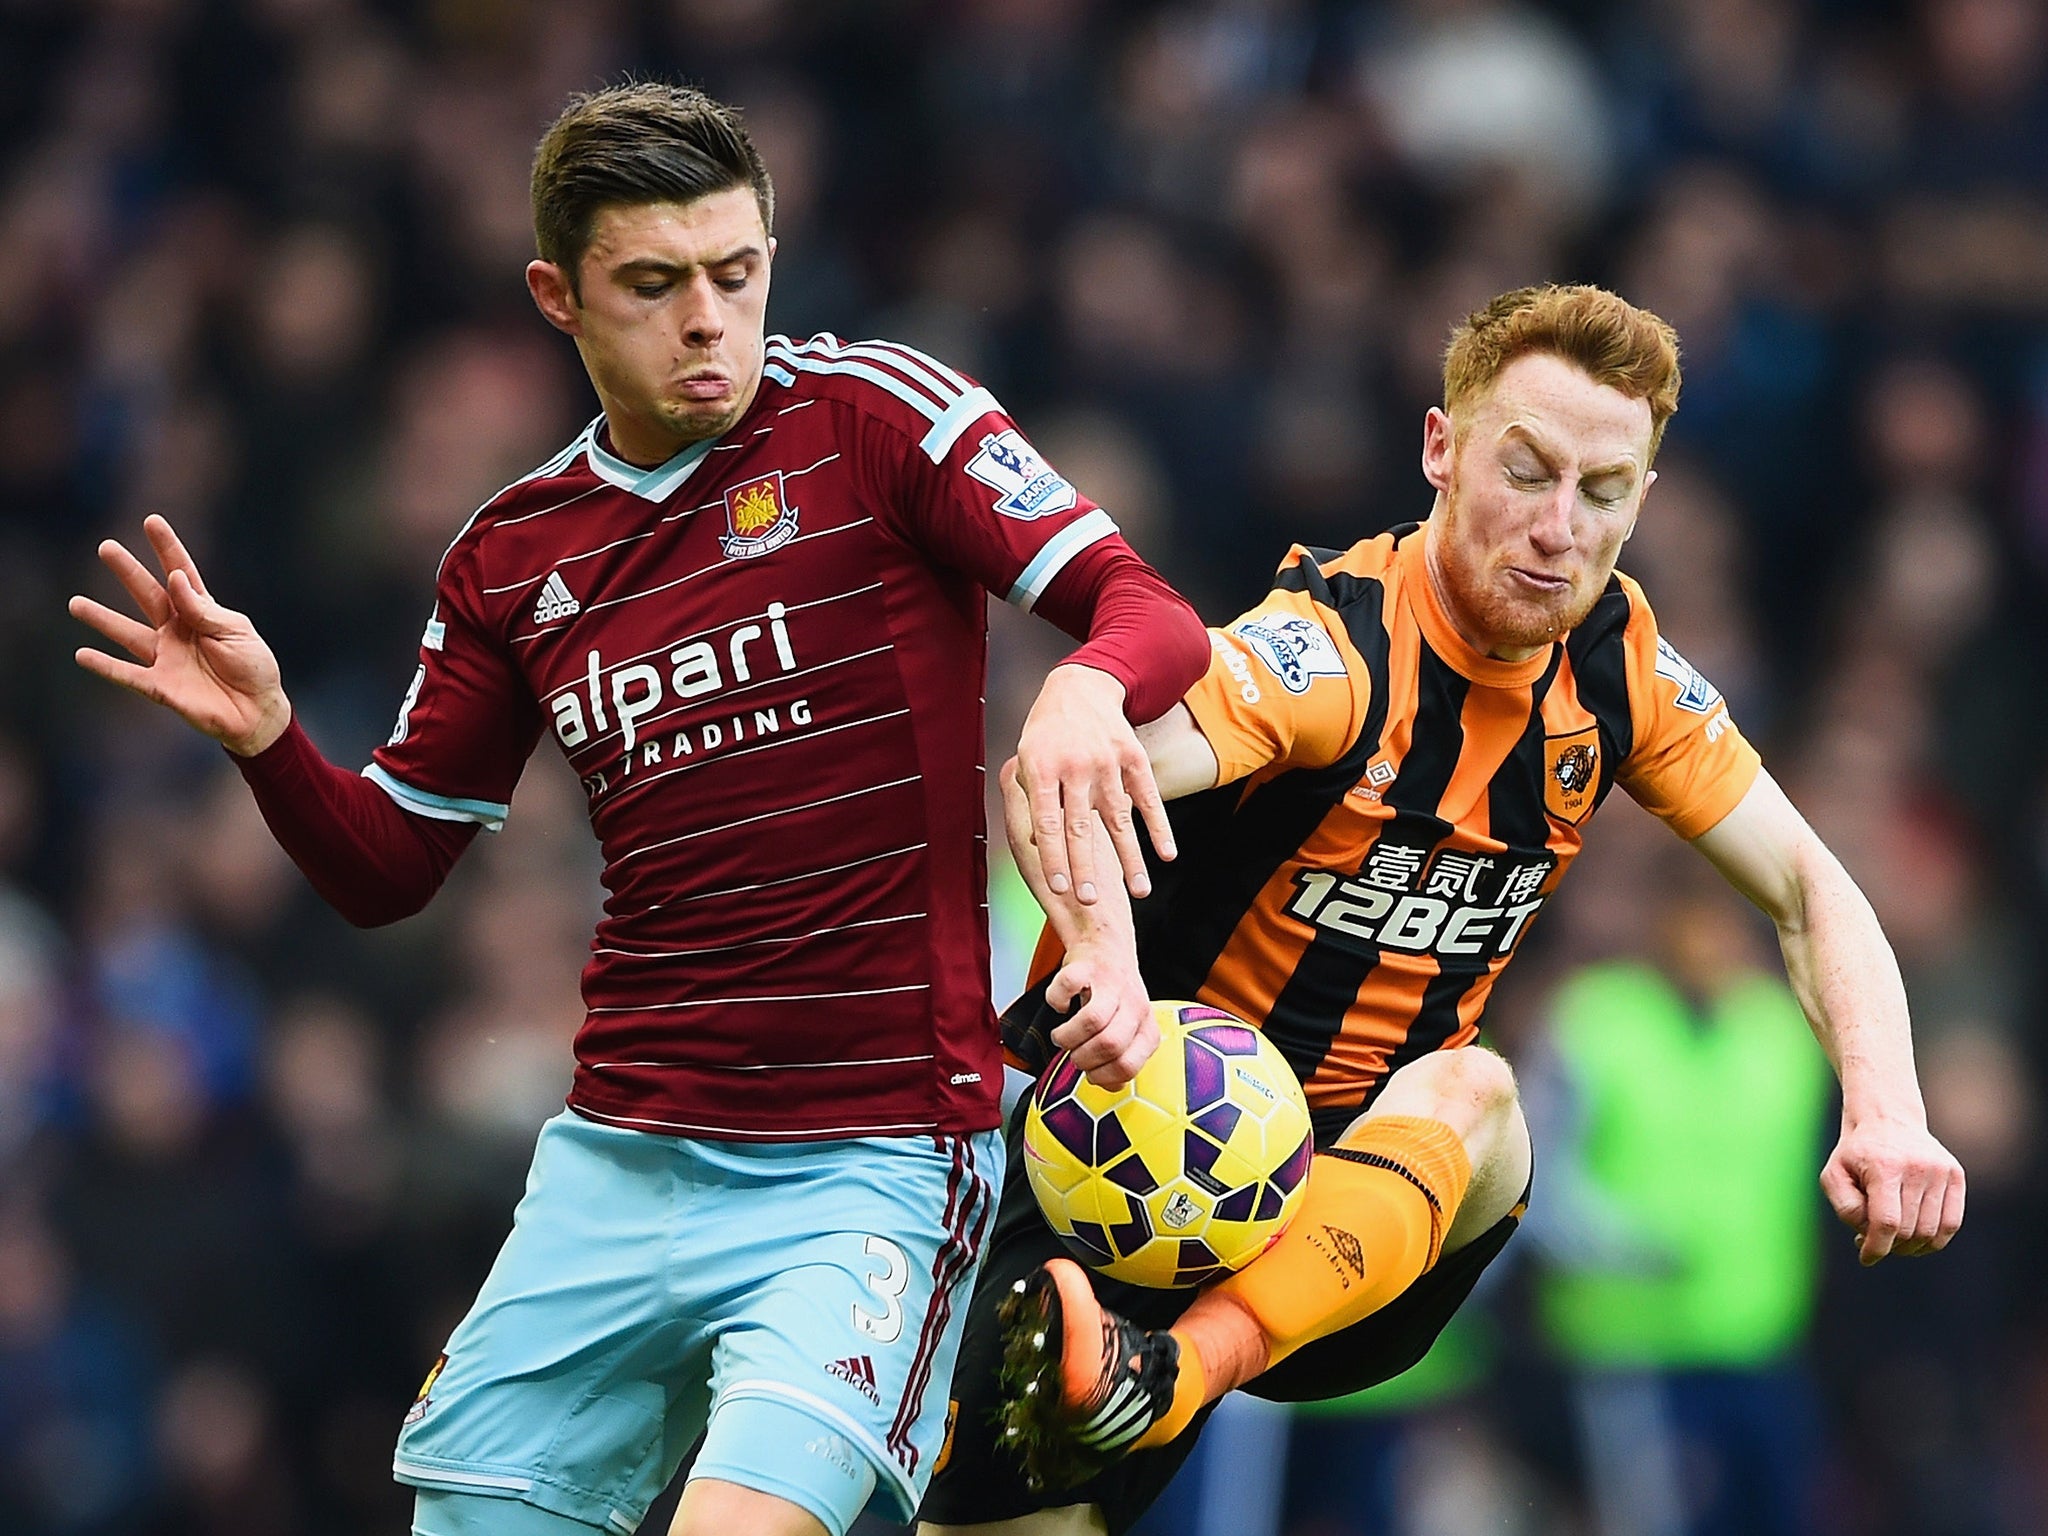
(1599, 332)
(644, 142)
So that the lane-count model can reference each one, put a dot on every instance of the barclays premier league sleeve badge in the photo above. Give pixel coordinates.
(1695, 693)
(1026, 487)
(1295, 650)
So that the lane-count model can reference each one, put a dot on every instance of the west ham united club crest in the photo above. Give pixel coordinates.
(757, 519)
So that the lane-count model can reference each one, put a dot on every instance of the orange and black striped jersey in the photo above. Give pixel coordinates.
(1394, 808)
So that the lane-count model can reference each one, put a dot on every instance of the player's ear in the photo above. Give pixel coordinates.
(553, 297)
(1439, 444)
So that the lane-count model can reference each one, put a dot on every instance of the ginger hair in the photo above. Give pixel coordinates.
(1602, 334)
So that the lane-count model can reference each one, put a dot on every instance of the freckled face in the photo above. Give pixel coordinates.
(1539, 481)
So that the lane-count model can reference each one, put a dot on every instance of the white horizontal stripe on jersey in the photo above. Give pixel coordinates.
(791, 474)
(720, 949)
(1053, 557)
(801, 405)
(781, 810)
(702, 506)
(765, 1066)
(705, 570)
(651, 725)
(809, 874)
(514, 586)
(628, 787)
(580, 683)
(780, 997)
(527, 517)
(488, 814)
(733, 1133)
(553, 466)
(960, 415)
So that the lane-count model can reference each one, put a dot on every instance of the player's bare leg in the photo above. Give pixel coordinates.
(1083, 1386)
(1071, 1520)
(711, 1507)
(1473, 1092)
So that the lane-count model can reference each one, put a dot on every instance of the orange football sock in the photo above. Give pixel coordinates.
(1372, 1220)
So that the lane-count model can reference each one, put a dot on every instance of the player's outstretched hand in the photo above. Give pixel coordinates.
(1078, 759)
(1897, 1187)
(203, 662)
(1112, 1032)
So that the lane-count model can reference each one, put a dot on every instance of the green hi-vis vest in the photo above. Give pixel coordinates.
(1706, 1135)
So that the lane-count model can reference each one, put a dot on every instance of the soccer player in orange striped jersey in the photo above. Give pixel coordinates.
(1387, 769)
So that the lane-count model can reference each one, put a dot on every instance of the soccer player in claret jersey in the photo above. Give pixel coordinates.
(1389, 766)
(747, 603)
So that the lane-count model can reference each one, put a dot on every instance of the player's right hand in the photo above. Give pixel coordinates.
(203, 662)
(1112, 1032)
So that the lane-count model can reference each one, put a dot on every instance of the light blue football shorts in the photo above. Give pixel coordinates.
(802, 1303)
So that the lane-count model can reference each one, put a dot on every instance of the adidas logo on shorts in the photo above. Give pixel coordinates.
(858, 1372)
(555, 601)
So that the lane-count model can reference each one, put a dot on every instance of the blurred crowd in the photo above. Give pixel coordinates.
(260, 272)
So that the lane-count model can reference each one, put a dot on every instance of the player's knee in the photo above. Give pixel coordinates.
(1471, 1089)
(1485, 1081)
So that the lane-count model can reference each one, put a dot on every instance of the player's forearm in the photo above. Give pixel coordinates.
(369, 860)
(1136, 627)
(1847, 980)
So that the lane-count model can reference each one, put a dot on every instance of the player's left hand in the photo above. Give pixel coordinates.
(1896, 1186)
(1078, 758)
(1112, 1032)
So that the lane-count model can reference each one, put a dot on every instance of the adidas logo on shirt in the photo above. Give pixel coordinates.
(555, 601)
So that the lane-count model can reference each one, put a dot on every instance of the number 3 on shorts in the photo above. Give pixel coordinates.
(886, 1326)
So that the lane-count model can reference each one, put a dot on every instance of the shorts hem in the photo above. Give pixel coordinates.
(888, 1474)
(549, 1493)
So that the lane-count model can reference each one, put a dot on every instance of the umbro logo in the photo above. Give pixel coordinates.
(555, 601)
(858, 1372)
(1342, 1252)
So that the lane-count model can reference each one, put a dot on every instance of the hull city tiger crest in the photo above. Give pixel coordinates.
(757, 518)
(1571, 772)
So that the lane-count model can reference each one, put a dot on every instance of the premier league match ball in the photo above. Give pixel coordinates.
(1187, 1172)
